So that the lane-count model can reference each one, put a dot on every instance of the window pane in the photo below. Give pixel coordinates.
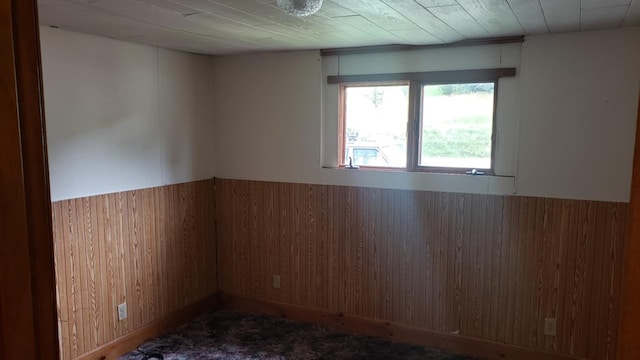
(457, 125)
(376, 125)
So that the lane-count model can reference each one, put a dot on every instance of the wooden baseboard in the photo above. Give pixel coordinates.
(393, 331)
(129, 342)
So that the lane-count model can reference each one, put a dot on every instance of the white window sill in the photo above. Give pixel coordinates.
(389, 179)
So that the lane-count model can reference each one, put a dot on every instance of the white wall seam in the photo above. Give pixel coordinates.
(161, 116)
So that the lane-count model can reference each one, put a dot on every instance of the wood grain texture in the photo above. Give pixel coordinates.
(16, 298)
(629, 326)
(27, 303)
(153, 249)
(487, 267)
(166, 323)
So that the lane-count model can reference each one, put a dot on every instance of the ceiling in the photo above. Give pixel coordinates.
(237, 26)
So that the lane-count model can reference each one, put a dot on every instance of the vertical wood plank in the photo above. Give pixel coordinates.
(491, 267)
(149, 248)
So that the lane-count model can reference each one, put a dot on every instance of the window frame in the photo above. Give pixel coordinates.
(342, 129)
(418, 126)
(416, 81)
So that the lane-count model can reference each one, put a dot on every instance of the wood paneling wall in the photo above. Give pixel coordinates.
(490, 267)
(153, 249)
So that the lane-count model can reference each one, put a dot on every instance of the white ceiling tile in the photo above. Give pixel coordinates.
(530, 16)
(79, 18)
(198, 24)
(258, 9)
(359, 22)
(495, 16)
(186, 42)
(170, 6)
(289, 26)
(156, 19)
(331, 9)
(205, 23)
(633, 14)
(229, 30)
(221, 11)
(379, 13)
(425, 20)
(416, 37)
(271, 41)
(457, 18)
(562, 15)
(603, 18)
(228, 26)
(432, 3)
(592, 4)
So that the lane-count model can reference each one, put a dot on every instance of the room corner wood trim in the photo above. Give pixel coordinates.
(129, 342)
(391, 331)
(628, 346)
(27, 300)
(36, 174)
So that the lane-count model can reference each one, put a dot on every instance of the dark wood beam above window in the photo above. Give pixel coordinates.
(453, 76)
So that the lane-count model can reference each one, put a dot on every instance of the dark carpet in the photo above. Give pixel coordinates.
(233, 335)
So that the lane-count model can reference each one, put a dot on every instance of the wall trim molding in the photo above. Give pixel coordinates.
(129, 342)
(628, 346)
(384, 329)
(389, 330)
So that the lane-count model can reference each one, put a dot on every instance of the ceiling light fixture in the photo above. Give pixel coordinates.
(300, 7)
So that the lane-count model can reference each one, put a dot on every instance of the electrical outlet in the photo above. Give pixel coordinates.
(550, 327)
(276, 281)
(122, 311)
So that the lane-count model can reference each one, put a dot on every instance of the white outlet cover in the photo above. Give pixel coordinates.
(122, 311)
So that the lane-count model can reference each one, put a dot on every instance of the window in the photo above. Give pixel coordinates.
(375, 125)
(456, 122)
(436, 122)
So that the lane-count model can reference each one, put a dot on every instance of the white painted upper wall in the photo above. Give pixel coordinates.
(122, 116)
(578, 116)
(574, 123)
(267, 113)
